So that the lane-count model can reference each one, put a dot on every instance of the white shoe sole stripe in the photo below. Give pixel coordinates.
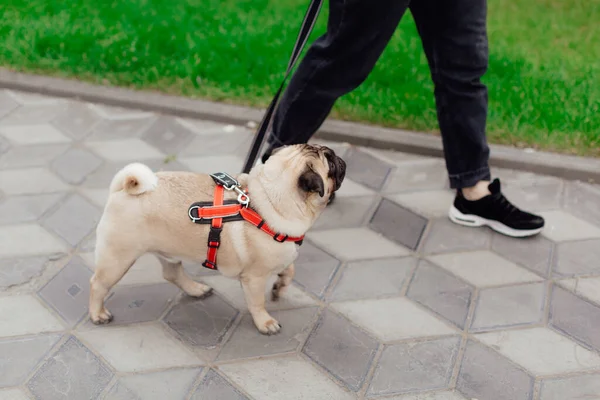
(474, 221)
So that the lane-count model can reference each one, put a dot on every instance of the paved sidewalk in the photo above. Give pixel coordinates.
(390, 299)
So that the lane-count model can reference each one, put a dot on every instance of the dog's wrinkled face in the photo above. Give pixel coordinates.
(319, 171)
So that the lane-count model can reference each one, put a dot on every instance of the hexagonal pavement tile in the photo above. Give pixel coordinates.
(535, 198)
(137, 348)
(33, 134)
(577, 258)
(350, 188)
(68, 292)
(342, 349)
(428, 174)
(13, 394)
(75, 219)
(575, 317)
(34, 114)
(374, 278)
(356, 244)
(246, 341)
(583, 201)
(170, 384)
(441, 292)
(16, 240)
(119, 129)
(214, 386)
(169, 136)
(74, 165)
(19, 357)
(571, 388)
(314, 269)
(586, 288)
(17, 271)
(485, 374)
(19, 209)
(386, 318)
(145, 303)
(31, 156)
(366, 169)
(282, 375)
(133, 150)
(30, 181)
(4, 146)
(7, 103)
(211, 164)
(28, 98)
(541, 351)
(145, 271)
(437, 395)
(116, 113)
(561, 226)
(430, 204)
(24, 315)
(71, 372)
(509, 306)
(225, 143)
(533, 253)
(484, 268)
(414, 367)
(445, 236)
(346, 212)
(77, 120)
(399, 224)
(203, 322)
(98, 197)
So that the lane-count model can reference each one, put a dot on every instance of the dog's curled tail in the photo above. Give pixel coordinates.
(134, 179)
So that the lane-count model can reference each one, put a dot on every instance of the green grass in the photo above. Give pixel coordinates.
(544, 75)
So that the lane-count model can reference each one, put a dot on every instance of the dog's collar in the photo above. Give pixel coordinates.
(219, 211)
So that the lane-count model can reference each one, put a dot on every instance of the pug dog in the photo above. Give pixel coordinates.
(147, 212)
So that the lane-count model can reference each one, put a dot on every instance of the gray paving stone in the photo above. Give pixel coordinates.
(577, 258)
(575, 317)
(314, 269)
(485, 374)
(534, 198)
(4, 146)
(571, 388)
(445, 236)
(365, 279)
(33, 114)
(20, 356)
(73, 372)
(120, 129)
(77, 120)
(214, 386)
(441, 292)
(415, 367)
(68, 292)
(201, 322)
(342, 349)
(169, 136)
(16, 240)
(74, 219)
(561, 226)
(509, 306)
(13, 394)
(31, 156)
(19, 209)
(7, 104)
(172, 384)
(74, 165)
(583, 201)
(366, 169)
(429, 174)
(346, 212)
(129, 305)
(217, 143)
(120, 392)
(30, 181)
(17, 271)
(534, 253)
(247, 341)
(399, 224)
(102, 177)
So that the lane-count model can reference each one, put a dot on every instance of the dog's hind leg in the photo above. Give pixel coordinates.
(173, 272)
(111, 265)
(284, 279)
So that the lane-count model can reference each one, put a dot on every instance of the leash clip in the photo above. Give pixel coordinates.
(229, 183)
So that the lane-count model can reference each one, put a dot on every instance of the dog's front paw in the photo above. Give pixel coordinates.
(199, 290)
(269, 327)
(104, 317)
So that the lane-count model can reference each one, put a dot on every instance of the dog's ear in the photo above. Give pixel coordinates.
(311, 182)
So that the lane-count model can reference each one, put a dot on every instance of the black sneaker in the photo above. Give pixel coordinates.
(496, 212)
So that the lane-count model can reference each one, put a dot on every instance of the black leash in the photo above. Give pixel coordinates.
(307, 25)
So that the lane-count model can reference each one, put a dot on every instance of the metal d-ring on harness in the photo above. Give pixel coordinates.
(219, 211)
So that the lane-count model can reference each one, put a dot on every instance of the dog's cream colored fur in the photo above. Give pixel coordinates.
(148, 213)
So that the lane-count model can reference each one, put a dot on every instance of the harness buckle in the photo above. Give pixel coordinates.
(194, 219)
(283, 237)
(229, 183)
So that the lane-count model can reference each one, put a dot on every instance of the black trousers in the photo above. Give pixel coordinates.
(454, 37)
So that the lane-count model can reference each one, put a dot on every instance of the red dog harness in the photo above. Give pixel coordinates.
(219, 211)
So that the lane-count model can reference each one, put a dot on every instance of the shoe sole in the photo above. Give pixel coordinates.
(475, 221)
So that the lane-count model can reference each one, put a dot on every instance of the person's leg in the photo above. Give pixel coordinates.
(454, 38)
(335, 64)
